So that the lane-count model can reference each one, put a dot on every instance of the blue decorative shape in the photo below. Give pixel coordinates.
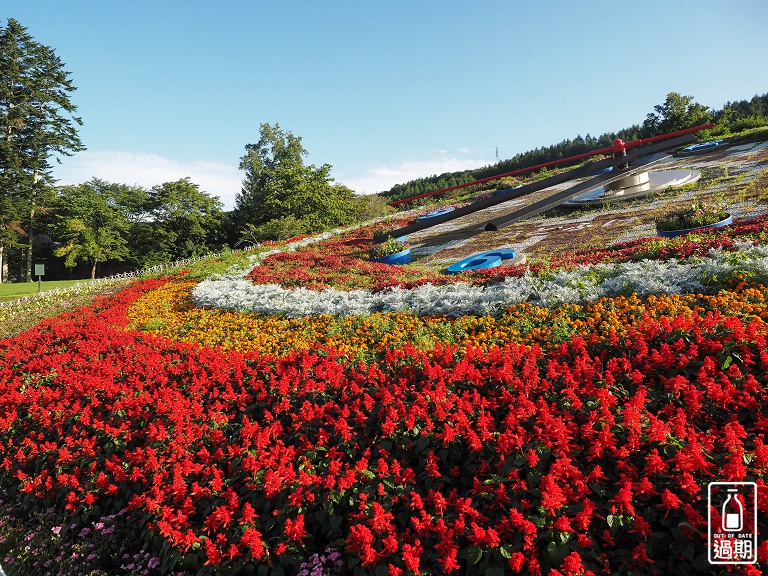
(403, 257)
(436, 213)
(702, 146)
(476, 262)
(504, 253)
(675, 233)
(499, 192)
(603, 171)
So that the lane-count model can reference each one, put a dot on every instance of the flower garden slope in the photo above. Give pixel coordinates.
(589, 456)
(439, 295)
(167, 311)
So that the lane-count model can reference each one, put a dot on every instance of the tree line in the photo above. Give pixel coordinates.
(100, 228)
(77, 230)
(281, 197)
(84, 227)
(89, 224)
(677, 112)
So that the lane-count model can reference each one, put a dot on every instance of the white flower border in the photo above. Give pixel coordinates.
(585, 283)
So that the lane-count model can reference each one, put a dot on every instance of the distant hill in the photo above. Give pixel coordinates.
(734, 117)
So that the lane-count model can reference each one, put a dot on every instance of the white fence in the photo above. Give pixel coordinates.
(89, 285)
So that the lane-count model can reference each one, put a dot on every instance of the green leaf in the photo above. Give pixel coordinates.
(557, 552)
(474, 554)
(613, 521)
(166, 563)
(700, 563)
(506, 551)
(335, 521)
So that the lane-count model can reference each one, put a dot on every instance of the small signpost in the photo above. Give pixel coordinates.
(39, 271)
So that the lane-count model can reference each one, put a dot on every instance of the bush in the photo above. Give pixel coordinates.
(696, 215)
(387, 248)
(277, 230)
(372, 206)
(749, 123)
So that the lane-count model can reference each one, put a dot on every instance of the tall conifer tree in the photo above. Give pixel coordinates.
(37, 121)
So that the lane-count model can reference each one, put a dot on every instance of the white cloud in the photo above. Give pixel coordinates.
(382, 178)
(147, 170)
(224, 180)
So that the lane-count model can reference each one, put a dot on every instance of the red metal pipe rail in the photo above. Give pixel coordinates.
(616, 148)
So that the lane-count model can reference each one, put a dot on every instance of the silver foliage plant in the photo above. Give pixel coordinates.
(586, 283)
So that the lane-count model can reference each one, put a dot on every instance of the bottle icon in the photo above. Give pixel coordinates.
(733, 512)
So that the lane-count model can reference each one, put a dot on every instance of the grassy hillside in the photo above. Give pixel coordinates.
(563, 416)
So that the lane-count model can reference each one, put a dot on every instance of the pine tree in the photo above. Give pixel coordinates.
(36, 117)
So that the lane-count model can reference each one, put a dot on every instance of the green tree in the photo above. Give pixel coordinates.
(279, 187)
(36, 117)
(676, 113)
(90, 225)
(133, 201)
(10, 230)
(273, 168)
(187, 221)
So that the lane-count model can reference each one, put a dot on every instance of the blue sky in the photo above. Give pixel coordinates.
(383, 91)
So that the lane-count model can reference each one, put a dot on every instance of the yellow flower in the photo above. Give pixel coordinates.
(167, 311)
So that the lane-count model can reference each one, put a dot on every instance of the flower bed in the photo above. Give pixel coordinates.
(589, 456)
(167, 311)
(340, 261)
(650, 266)
(24, 313)
(696, 216)
(577, 284)
(572, 438)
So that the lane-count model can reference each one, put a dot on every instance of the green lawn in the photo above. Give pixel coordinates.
(19, 289)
